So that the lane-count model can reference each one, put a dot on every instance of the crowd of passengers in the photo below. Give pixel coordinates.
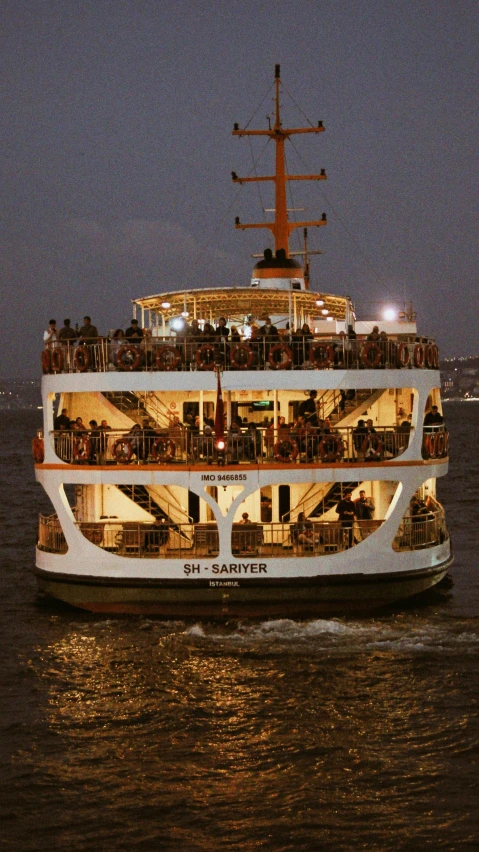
(219, 340)
(308, 436)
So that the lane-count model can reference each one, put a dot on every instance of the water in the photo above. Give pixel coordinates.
(326, 734)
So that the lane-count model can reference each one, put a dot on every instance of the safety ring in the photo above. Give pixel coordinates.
(419, 355)
(239, 364)
(122, 450)
(81, 448)
(283, 364)
(47, 360)
(286, 450)
(374, 444)
(429, 356)
(123, 360)
(38, 449)
(57, 359)
(368, 359)
(321, 355)
(331, 445)
(404, 356)
(167, 358)
(163, 449)
(201, 356)
(81, 359)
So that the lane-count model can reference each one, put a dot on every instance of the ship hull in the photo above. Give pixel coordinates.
(320, 595)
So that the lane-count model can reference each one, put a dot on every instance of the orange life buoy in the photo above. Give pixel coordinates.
(46, 360)
(38, 449)
(419, 355)
(430, 444)
(202, 357)
(429, 356)
(371, 354)
(57, 359)
(321, 355)
(372, 446)
(81, 448)
(163, 448)
(81, 359)
(441, 444)
(283, 364)
(167, 358)
(241, 357)
(404, 356)
(128, 357)
(331, 448)
(435, 351)
(285, 450)
(122, 450)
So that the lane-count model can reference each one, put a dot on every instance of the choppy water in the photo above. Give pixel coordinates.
(337, 734)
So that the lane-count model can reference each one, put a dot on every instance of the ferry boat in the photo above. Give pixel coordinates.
(250, 451)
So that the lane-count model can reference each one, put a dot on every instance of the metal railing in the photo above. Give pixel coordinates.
(284, 353)
(273, 540)
(288, 445)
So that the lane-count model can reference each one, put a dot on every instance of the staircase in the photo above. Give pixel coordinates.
(332, 496)
(129, 404)
(142, 497)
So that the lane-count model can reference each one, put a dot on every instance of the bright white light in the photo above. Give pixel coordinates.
(319, 302)
(220, 445)
(325, 312)
(330, 319)
(177, 324)
(247, 332)
(390, 314)
(185, 314)
(165, 305)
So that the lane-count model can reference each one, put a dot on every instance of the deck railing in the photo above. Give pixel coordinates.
(178, 446)
(273, 540)
(285, 353)
(257, 446)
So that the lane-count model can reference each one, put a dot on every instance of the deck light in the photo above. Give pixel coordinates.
(166, 305)
(325, 312)
(390, 314)
(319, 302)
(177, 324)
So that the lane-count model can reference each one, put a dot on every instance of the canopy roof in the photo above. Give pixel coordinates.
(242, 301)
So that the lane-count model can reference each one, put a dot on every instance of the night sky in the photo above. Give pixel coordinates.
(117, 154)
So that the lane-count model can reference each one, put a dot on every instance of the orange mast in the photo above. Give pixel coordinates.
(281, 227)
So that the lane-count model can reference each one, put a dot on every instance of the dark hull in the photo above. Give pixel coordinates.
(244, 598)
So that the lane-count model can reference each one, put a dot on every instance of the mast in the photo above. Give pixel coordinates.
(281, 228)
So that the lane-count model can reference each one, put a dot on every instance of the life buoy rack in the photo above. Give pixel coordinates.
(285, 450)
(167, 358)
(81, 359)
(93, 534)
(404, 356)
(122, 450)
(81, 448)
(429, 356)
(235, 359)
(56, 357)
(419, 355)
(283, 364)
(46, 360)
(163, 449)
(202, 357)
(331, 448)
(38, 449)
(128, 357)
(321, 355)
(372, 447)
(371, 354)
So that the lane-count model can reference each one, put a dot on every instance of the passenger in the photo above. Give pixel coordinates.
(364, 507)
(244, 518)
(116, 342)
(156, 535)
(79, 425)
(94, 436)
(62, 421)
(222, 329)
(50, 336)
(134, 334)
(305, 532)
(88, 335)
(433, 420)
(307, 409)
(373, 336)
(104, 429)
(384, 347)
(235, 335)
(268, 336)
(359, 434)
(351, 347)
(347, 513)
(67, 337)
